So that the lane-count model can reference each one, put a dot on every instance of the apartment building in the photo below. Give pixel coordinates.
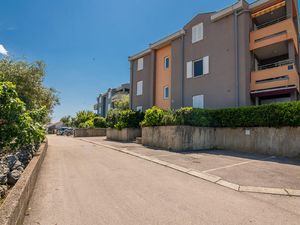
(245, 54)
(105, 101)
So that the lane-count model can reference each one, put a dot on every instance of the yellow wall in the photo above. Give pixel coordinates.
(163, 78)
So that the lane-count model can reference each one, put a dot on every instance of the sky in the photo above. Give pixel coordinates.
(86, 43)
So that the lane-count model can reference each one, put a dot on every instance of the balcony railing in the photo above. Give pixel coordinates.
(276, 64)
(282, 74)
(271, 22)
(284, 30)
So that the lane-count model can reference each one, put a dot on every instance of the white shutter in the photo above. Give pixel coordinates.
(140, 65)
(200, 33)
(198, 101)
(197, 33)
(206, 65)
(189, 69)
(139, 108)
(139, 88)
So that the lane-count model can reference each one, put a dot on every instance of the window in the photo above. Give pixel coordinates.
(139, 108)
(198, 101)
(139, 88)
(198, 67)
(197, 33)
(167, 63)
(140, 65)
(166, 92)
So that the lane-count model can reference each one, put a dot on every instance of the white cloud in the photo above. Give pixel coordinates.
(3, 51)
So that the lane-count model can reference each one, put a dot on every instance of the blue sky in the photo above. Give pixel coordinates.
(86, 43)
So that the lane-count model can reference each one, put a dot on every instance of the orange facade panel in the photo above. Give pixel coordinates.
(283, 76)
(282, 31)
(163, 77)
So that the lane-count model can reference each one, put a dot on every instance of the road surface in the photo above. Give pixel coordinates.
(84, 184)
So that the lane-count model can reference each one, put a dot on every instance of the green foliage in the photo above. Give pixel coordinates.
(100, 122)
(84, 117)
(123, 103)
(28, 78)
(120, 119)
(87, 124)
(153, 117)
(272, 115)
(67, 121)
(17, 127)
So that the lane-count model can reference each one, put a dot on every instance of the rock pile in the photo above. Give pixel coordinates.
(13, 165)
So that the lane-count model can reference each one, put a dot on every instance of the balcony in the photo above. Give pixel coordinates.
(274, 32)
(276, 75)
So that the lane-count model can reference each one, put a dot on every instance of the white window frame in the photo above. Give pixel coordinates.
(140, 64)
(139, 88)
(165, 63)
(199, 98)
(165, 87)
(190, 73)
(139, 108)
(197, 33)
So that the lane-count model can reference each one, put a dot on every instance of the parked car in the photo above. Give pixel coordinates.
(61, 131)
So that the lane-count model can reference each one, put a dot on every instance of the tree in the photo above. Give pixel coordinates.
(17, 127)
(84, 117)
(123, 103)
(28, 78)
(67, 121)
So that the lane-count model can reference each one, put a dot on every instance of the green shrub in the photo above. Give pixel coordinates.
(272, 115)
(120, 119)
(100, 122)
(17, 127)
(153, 117)
(87, 124)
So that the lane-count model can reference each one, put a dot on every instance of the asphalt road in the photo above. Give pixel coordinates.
(84, 184)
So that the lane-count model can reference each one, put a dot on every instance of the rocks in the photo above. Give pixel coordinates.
(14, 176)
(4, 170)
(10, 160)
(26, 154)
(12, 166)
(3, 190)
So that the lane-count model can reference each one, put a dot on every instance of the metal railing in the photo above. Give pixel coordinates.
(277, 64)
(272, 22)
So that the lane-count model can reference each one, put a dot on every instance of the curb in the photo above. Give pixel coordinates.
(13, 209)
(207, 177)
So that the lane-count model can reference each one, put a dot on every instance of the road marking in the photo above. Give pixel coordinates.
(209, 177)
(237, 164)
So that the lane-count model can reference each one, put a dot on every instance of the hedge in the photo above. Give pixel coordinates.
(272, 115)
(120, 119)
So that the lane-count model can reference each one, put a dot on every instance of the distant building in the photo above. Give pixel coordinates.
(53, 127)
(105, 101)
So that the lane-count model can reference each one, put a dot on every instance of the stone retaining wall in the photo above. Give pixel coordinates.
(283, 141)
(126, 134)
(13, 209)
(90, 132)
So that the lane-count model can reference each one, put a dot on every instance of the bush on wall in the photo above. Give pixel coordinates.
(120, 119)
(272, 115)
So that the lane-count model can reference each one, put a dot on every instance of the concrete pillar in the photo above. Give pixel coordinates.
(294, 96)
(292, 52)
(256, 100)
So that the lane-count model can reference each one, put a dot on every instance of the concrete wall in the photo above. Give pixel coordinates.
(90, 132)
(13, 209)
(283, 141)
(127, 134)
